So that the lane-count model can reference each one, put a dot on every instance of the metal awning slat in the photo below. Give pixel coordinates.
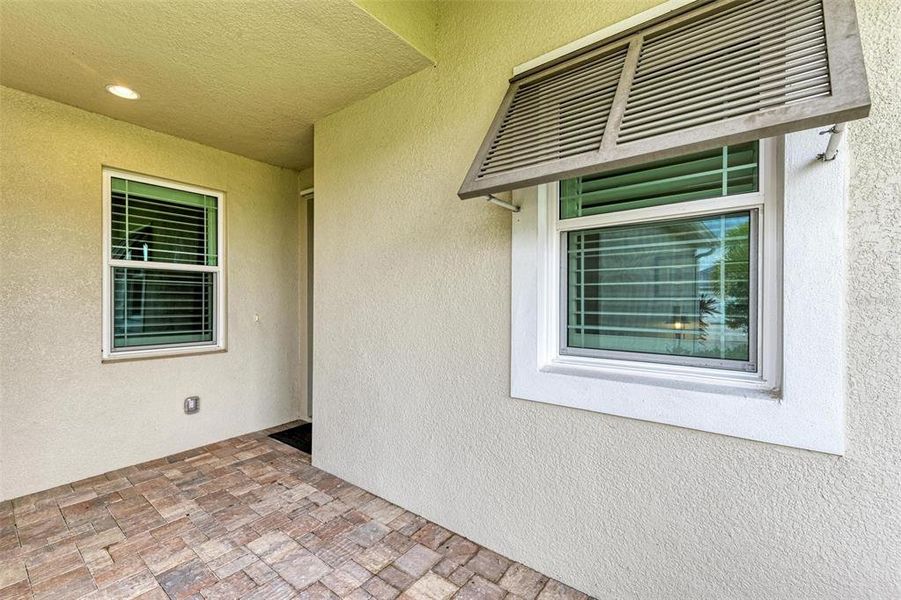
(715, 73)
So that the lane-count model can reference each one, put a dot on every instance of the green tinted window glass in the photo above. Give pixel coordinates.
(159, 308)
(679, 288)
(159, 224)
(719, 172)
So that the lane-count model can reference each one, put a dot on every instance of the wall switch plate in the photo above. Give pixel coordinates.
(192, 404)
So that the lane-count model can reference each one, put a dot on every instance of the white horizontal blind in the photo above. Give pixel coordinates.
(719, 172)
(679, 289)
(720, 72)
(163, 252)
(157, 307)
(153, 223)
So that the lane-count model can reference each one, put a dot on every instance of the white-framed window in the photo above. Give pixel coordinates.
(780, 377)
(163, 267)
(671, 269)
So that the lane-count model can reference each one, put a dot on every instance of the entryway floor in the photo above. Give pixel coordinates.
(247, 517)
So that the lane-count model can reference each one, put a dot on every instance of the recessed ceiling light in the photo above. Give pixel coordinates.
(122, 92)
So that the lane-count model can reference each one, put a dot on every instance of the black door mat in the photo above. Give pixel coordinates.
(300, 437)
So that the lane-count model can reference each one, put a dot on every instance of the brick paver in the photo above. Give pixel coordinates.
(247, 517)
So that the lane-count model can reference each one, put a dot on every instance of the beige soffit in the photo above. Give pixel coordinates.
(246, 77)
(710, 73)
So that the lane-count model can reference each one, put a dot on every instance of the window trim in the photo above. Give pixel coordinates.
(767, 201)
(809, 412)
(219, 343)
(747, 366)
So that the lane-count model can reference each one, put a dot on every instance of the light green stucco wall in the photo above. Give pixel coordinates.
(305, 179)
(414, 21)
(411, 367)
(64, 415)
(304, 282)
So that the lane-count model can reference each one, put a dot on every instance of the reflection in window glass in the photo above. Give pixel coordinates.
(718, 172)
(678, 288)
(155, 308)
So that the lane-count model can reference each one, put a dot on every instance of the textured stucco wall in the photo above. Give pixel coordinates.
(63, 414)
(304, 282)
(414, 21)
(305, 179)
(411, 373)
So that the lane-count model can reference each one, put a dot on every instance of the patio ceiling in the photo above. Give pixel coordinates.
(246, 77)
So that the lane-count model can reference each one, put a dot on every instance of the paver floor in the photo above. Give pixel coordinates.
(248, 517)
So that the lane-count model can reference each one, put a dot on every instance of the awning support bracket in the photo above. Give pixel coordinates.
(836, 133)
(502, 203)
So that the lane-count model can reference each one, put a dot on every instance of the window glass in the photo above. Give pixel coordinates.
(154, 308)
(719, 172)
(165, 244)
(154, 223)
(676, 288)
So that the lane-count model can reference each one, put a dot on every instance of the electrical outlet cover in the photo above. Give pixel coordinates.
(192, 404)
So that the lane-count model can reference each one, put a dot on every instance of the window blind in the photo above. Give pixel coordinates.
(153, 223)
(679, 288)
(153, 307)
(718, 172)
(156, 305)
(717, 73)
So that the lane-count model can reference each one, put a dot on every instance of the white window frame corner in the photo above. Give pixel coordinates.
(220, 303)
(790, 402)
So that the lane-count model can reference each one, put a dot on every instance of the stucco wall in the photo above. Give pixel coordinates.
(63, 414)
(414, 21)
(304, 282)
(411, 369)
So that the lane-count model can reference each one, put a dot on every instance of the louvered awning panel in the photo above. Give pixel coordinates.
(559, 116)
(761, 55)
(718, 72)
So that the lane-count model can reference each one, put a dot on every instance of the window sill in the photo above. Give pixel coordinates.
(132, 355)
(735, 383)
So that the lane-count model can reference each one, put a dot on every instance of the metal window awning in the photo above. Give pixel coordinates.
(714, 73)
